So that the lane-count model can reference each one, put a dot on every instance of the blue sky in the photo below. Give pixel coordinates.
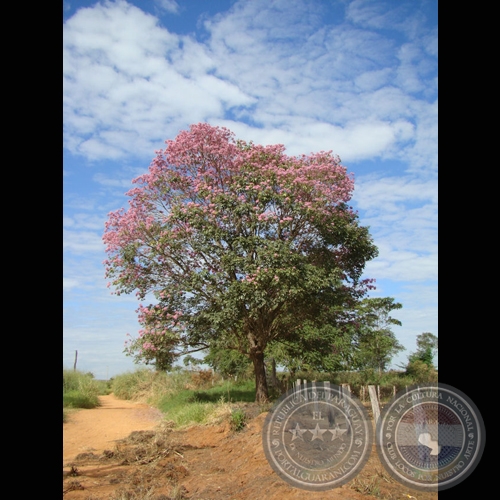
(355, 77)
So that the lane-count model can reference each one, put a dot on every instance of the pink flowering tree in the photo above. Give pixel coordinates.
(241, 244)
(153, 347)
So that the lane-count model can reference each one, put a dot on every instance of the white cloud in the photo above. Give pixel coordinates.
(81, 242)
(69, 283)
(122, 89)
(373, 80)
(357, 141)
(401, 265)
(363, 85)
(413, 66)
(86, 221)
(382, 15)
(170, 6)
(401, 213)
(129, 83)
(112, 181)
(375, 194)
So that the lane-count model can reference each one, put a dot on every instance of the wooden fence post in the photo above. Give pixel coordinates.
(346, 389)
(296, 387)
(374, 400)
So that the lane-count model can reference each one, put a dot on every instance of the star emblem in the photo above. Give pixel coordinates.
(317, 433)
(297, 432)
(337, 432)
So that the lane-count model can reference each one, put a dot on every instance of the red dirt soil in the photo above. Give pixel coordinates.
(123, 450)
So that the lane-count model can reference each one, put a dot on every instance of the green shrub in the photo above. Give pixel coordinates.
(149, 385)
(238, 420)
(185, 397)
(193, 413)
(71, 379)
(421, 372)
(243, 390)
(78, 399)
(80, 390)
(129, 384)
(104, 386)
(184, 408)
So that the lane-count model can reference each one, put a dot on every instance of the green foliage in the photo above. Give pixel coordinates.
(80, 390)
(80, 399)
(148, 385)
(342, 338)
(425, 355)
(421, 372)
(376, 343)
(191, 361)
(427, 348)
(319, 347)
(167, 391)
(387, 380)
(104, 386)
(240, 244)
(152, 349)
(71, 379)
(183, 396)
(227, 362)
(231, 391)
(187, 407)
(238, 420)
(183, 410)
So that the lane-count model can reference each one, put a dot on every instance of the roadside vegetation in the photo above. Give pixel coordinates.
(188, 397)
(81, 390)
(226, 391)
(417, 373)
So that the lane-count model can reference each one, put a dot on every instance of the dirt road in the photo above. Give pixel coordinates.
(122, 450)
(98, 429)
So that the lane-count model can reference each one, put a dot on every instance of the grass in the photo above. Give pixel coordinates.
(238, 420)
(185, 397)
(231, 391)
(80, 398)
(183, 409)
(148, 385)
(370, 485)
(81, 390)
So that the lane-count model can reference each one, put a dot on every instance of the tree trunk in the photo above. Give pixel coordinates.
(261, 391)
